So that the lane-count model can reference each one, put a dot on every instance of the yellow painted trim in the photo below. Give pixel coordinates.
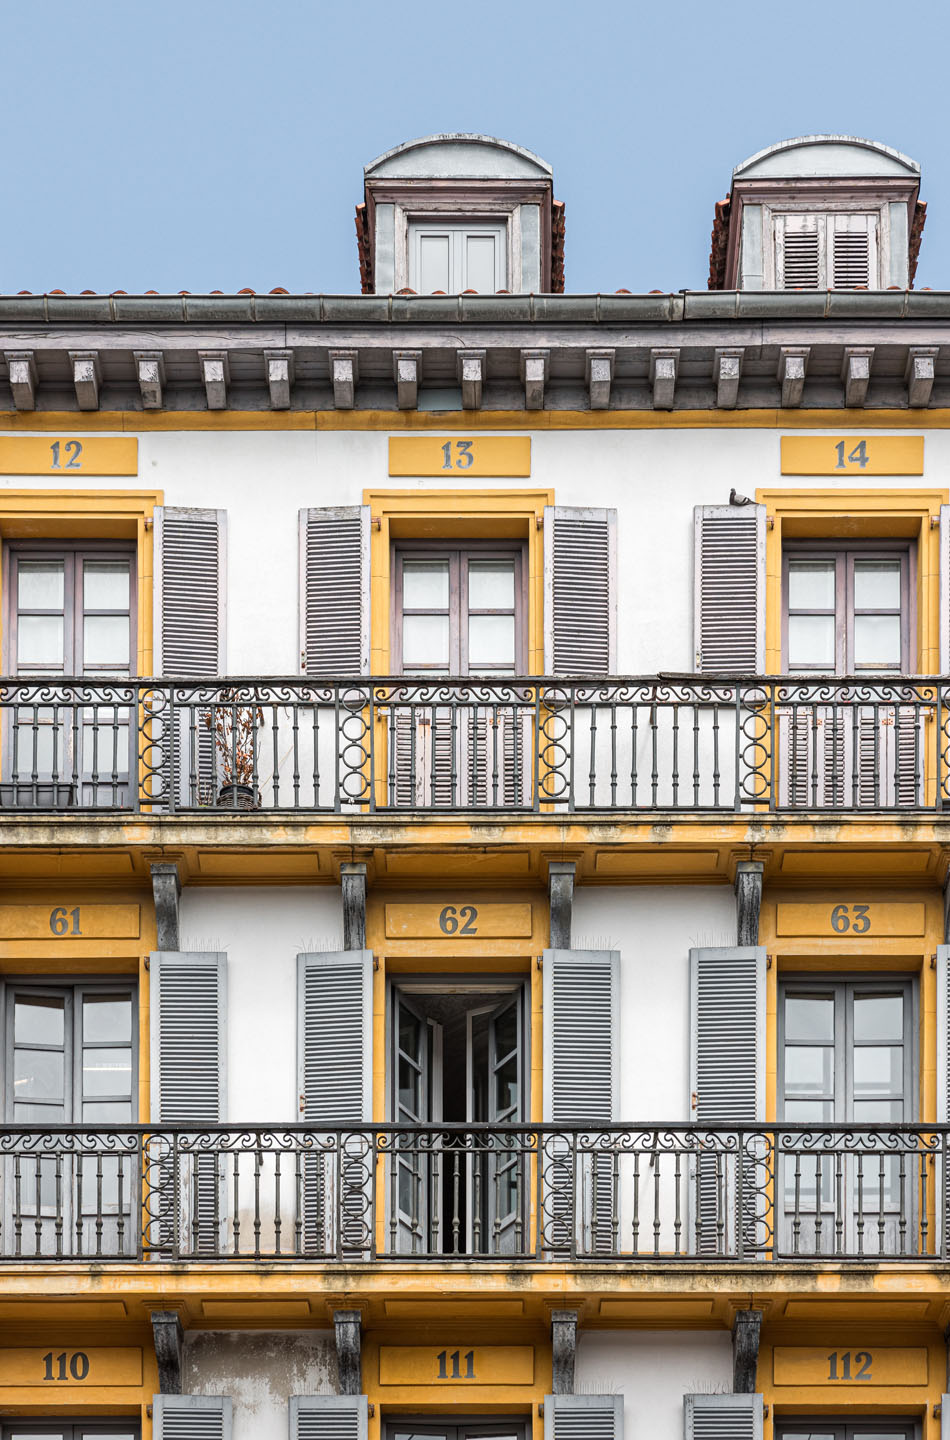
(418, 513)
(137, 422)
(96, 515)
(887, 513)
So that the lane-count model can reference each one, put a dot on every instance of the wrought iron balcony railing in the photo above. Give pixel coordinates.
(684, 743)
(777, 1194)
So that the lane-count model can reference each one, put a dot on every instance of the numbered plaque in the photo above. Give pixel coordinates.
(460, 920)
(59, 1368)
(861, 1366)
(457, 457)
(847, 919)
(852, 455)
(69, 921)
(68, 455)
(457, 1365)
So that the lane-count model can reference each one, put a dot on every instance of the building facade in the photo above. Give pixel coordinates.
(473, 773)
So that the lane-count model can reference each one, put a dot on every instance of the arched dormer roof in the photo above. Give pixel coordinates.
(826, 157)
(458, 157)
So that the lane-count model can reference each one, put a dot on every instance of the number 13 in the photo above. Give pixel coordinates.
(463, 455)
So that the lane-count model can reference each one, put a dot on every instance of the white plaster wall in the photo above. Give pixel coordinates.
(262, 929)
(653, 477)
(260, 1371)
(654, 927)
(653, 1370)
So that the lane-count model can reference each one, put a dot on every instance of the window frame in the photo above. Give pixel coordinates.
(74, 988)
(458, 225)
(845, 1429)
(70, 1429)
(455, 1429)
(825, 216)
(844, 553)
(459, 556)
(74, 553)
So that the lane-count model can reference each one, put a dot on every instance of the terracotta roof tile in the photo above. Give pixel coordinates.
(719, 244)
(916, 230)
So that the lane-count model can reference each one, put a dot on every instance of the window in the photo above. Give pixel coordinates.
(71, 610)
(835, 1429)
(459, 612)
(457, 1054)
(847, 609)
(70, 1060)
(455, 257)
(83, 1430)
(826, 252)
(474, 1430)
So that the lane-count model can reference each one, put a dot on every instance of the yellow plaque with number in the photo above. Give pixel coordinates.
(851, 919)
(460, 457)
(69, 922)
(457, 921)
(68, 455)
(853, 455)
(838, 1367)
(456, 1365)
(57, 1368)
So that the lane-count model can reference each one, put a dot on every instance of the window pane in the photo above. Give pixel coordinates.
(878, 1017)
(878, 1068)
(874, 1112)
(40, 640)
(107, 1072)
(809, 1069)
(39, 1020)
(106, 1112)
(41, 584)
(26, 1114)
(506, 1086)
(877, 584)
(105, 640)
(106, 1018)
(811, 584)
(877, 639)
(38, 1074)
(491, 640)
(809, 1017)
(425, 640)
(811, 640)
(106, 585)
(810, 1112)
(491, 584)
(425, 584)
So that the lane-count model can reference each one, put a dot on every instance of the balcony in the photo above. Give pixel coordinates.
(687, 744)
(619, 1195)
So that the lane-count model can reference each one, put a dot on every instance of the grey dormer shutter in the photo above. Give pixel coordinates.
(334, 591)
(334, 1071)
(580, 591)
(191, 1417)
(801, 251)
(722, 1417)
(328, 1417)
(851, 252)
(583, 1417)
(190, 586)
(729, 589)
(188, 999)
(580, 1007)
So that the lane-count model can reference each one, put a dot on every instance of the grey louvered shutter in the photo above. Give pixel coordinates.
(943, 1036)
(727, 1035)
(723, 1417)
(329, 1417)
(729, 589)
(945, 590)
(335, 1070)
(580, 1006)
(851, 252)
(188, 1001)
(190, 588)
(191, 1417)
(583, 1417)
(580, 591)
(945, 1417)
(800, 251)
(334, 591)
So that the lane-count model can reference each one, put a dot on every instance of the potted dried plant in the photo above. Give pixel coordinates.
(234, 722)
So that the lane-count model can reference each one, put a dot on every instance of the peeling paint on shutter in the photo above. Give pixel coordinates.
(800, 245)
(188, 998)
(851, 252)
(723, 1417)
(729, 589)
(328, 1417)
(191, 584)
(581, 993)
(334, 591)
(583, 1417)
(191, 1417)
(580, 591)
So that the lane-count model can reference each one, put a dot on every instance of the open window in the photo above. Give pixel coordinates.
(457, 1057)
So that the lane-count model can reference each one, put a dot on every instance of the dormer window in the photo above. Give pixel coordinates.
(826, 252)
(452, 257)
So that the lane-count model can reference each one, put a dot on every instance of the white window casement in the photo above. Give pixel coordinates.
(453, 257)
(839, 250)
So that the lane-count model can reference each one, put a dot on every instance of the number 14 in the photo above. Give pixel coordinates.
(859, 455)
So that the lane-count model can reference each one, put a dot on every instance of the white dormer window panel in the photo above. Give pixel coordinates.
(456, 257)
(836, 251)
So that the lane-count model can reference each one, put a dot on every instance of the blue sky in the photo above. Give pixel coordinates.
(196, 144)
